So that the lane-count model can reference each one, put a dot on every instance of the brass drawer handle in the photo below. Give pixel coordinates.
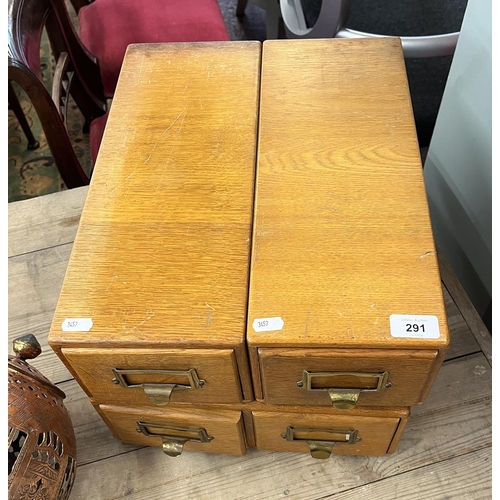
(158, 394)
(319, 447)
(344, 398)
(173, 438)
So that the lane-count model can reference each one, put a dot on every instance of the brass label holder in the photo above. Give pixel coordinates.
(319, 448)
(158, 394)
(344, 398)
(174, 438)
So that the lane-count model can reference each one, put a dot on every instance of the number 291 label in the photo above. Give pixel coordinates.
(414, 326)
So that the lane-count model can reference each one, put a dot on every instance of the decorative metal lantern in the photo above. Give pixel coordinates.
(42, 445)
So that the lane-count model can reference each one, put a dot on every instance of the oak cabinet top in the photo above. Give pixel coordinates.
(342, 235)
(162, 251)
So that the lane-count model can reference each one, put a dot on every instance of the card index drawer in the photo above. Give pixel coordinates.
(322, 435)
(346, 378)
(176, 430)
(156, 377)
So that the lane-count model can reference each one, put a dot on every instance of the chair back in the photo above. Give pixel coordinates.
(76, 74)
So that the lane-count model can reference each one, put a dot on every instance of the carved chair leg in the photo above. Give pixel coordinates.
(56, 134)
(16, 108)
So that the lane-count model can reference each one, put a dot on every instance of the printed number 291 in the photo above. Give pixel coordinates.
(415, 327)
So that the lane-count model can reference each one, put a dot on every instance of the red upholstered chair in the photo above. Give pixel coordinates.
(107, 27)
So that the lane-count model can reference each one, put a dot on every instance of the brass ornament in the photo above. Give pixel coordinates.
(42, 445)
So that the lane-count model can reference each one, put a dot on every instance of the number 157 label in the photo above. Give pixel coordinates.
(414, 326)
(77, 325)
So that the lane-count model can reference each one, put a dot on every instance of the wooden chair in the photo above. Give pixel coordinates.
(27, 20)
(15, 106)
(106, 27)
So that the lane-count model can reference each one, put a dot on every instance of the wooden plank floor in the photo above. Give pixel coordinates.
(445, 451)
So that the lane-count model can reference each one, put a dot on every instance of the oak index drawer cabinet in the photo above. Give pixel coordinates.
(345, 304)
(152, 311)
(272, 287)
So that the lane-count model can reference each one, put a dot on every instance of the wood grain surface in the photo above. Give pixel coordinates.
(342, 234)
(162, 250)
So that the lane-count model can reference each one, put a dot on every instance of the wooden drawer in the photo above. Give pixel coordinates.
(175, 430)
(365, 433)
(156, 377)
(346, 378)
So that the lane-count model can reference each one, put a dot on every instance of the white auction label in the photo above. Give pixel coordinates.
(77, 325)
(268, 324)
(414, 326)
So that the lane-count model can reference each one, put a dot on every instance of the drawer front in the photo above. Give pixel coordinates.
(149, 377)
(346, 378)
(325, 435)
(177, 430)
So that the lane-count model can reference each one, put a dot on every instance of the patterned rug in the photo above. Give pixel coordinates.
(33, 172)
